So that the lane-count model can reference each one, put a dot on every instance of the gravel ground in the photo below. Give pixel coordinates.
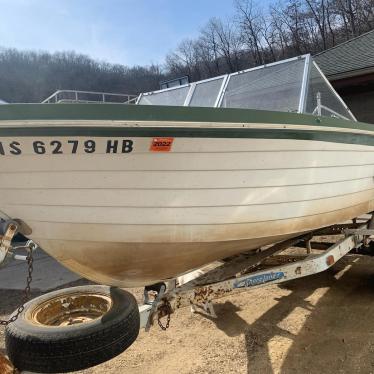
(320, 324)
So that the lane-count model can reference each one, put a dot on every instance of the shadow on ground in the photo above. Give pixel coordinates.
(11, 299)
(337, 334)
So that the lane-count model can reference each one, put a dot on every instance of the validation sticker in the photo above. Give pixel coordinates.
(161, 144)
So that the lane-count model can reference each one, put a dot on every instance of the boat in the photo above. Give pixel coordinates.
(130, 195)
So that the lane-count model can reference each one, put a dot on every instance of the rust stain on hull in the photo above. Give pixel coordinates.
(138, 264)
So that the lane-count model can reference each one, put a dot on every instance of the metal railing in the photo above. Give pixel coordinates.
(318, 109)
(74, 96)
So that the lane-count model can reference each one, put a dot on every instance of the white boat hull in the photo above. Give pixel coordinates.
(130, 219)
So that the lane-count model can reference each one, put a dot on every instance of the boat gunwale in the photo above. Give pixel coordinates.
(185, 132)
(157, 113)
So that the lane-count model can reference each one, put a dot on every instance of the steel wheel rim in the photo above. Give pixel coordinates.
(71, 309)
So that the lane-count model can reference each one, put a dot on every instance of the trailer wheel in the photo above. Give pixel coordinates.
(72, 329)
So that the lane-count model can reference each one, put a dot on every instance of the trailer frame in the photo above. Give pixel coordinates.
(247, 271)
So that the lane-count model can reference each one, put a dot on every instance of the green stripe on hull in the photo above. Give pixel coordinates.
(121, 112)
(182, 132)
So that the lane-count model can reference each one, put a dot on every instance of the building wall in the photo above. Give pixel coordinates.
(358, 93)
(361, 104)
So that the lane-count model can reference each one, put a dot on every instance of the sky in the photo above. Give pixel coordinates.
(129, 32)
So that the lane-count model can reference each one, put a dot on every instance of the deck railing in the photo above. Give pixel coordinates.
(74, 96)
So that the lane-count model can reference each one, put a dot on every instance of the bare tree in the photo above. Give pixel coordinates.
(185, 59)
(227, 42)
(318, 10)
(209, 39)
(279, 30)
(250, 24)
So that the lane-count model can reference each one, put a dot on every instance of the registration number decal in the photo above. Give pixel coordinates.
(69, 146)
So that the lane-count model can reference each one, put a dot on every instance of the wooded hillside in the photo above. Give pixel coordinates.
(254, 36)
(32, 76)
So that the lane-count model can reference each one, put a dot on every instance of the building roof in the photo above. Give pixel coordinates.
(351, 58)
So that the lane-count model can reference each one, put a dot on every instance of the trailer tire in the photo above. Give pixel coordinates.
(39, 342)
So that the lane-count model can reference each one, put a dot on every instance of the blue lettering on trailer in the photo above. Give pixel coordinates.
(258, 279)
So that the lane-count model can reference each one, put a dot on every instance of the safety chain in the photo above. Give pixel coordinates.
(26, 292)
(164, 310)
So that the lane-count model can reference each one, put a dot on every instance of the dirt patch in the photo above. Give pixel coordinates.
(320, 324)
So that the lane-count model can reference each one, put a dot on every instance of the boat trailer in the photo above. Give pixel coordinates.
(198, 289)
(247, 271)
